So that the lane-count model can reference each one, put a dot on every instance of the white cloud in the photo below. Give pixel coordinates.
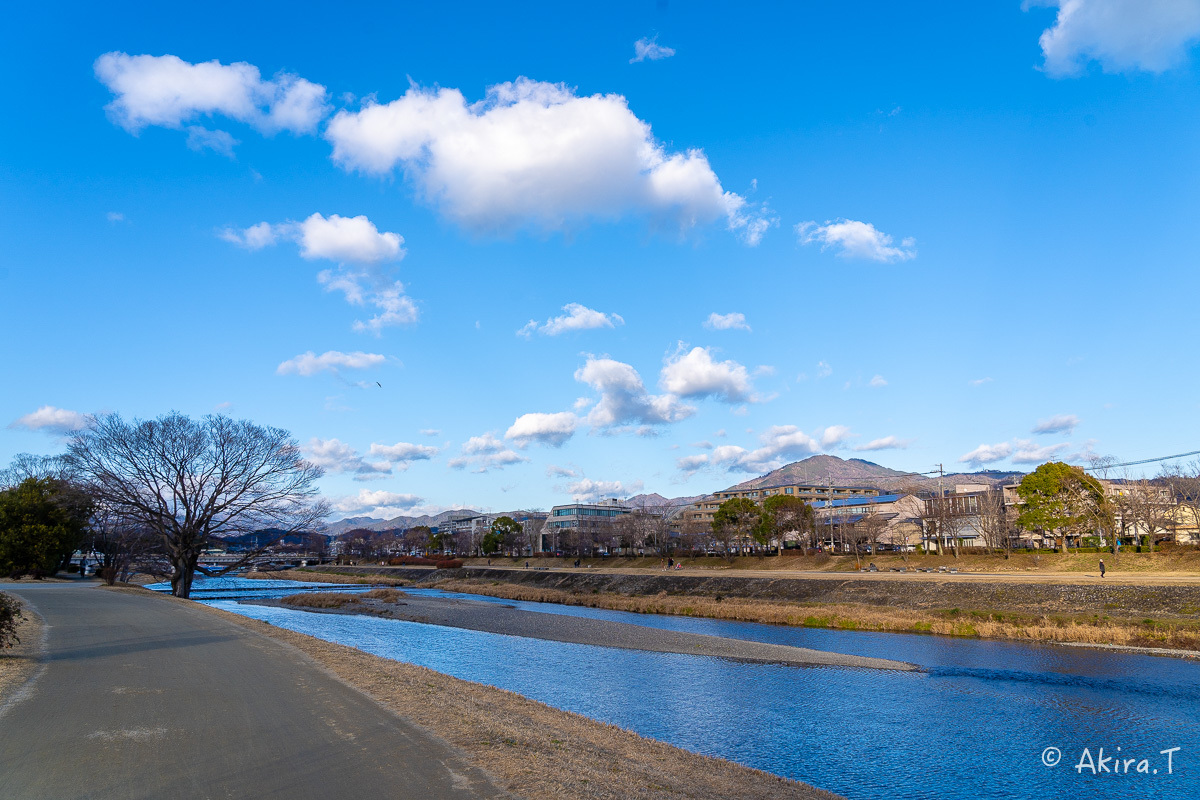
(1059, 423)
(551, 429)
(347, 240)
(334, 361)
(401, 454)
(484, 453)
(535, 154)
(578, 318)
(555, 471)
(200, 138)
(835, 435)
(376, 503)
(335, 455)
(886, 443)
(1122, 35)
(878, 381)
(52, 420)
(167, 91)
(779, 445)
(987, 454)
(623, 397)
(696, 374)
(588, 490)
(980, 381)
(854, 239)
(734, 321)
(430, 432)
(823, 370)
(646, 49)
(360, 250)
(1028, 452)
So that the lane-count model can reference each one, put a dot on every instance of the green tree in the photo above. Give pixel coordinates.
(505, 534)
(1062, 499)
(783, 514)
(42, 521)
(737, 519)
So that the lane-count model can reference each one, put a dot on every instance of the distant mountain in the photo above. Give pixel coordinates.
(656, 500)
(349, 524)
(822, 469)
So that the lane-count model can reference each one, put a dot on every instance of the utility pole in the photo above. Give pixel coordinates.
(941, 509)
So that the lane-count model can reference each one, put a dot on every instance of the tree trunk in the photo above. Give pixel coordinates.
(185, 570)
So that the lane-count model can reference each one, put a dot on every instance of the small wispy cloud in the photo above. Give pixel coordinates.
(648, 49)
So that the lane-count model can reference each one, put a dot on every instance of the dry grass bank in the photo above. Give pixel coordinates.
(20, 661)
(1172, 559)
(533, 750)
(305, 576)
(1098, 629)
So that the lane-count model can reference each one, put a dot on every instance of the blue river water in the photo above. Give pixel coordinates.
(982, 719)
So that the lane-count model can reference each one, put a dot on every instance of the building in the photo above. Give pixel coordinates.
(875, 522)
(701, 512)
(580, 525)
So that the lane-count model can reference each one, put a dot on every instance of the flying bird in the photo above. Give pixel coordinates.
(380, 385)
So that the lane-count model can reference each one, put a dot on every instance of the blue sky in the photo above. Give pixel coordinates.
(508, 257)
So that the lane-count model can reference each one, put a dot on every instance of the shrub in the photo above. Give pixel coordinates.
(450, 563)
(10, 615)
(386, 595)
(400, 561)
(320, 599)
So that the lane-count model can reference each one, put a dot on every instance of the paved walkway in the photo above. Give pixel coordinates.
(147, 697)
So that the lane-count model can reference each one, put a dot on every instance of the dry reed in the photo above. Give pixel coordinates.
(1176, 634)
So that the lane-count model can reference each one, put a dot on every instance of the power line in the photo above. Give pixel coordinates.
(1143, 461)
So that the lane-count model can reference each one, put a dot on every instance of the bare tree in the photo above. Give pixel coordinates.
(994, 524)
(192, 481)
(1149, 507)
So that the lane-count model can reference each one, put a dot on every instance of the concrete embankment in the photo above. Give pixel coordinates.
(1083, 597)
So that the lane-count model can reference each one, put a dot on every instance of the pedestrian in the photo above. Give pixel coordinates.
(1102, 568)
(526, 565)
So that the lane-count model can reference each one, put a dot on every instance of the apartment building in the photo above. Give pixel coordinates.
(702, 511)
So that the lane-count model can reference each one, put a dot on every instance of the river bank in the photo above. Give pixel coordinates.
(1160, 617)
(532, 749)
(492, 618)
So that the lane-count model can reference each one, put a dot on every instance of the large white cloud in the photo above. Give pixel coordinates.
(334, 361)
(484, 453)
(168, 91)
(1029, 452)
(52, 420)
(623, 397)
(853, 239)
(587, 490)
(361, 251)
(697, 374)
(534, 154)
(1122, 35)
(987, 454)
(778, 445)
(402, 454)
(578, 317)
(335, 455)
(372, 501)
(551, 429)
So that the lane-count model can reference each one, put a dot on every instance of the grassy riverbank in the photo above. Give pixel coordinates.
(18, 663)
(531, 749)
(1181, 634)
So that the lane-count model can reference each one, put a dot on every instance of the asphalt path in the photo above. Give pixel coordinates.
(149, 697)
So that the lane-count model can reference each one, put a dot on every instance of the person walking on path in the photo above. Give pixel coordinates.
(1102, 568)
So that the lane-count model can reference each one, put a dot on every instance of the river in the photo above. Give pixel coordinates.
(983, 719)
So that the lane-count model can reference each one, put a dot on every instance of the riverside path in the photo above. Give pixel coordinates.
(140, 696)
